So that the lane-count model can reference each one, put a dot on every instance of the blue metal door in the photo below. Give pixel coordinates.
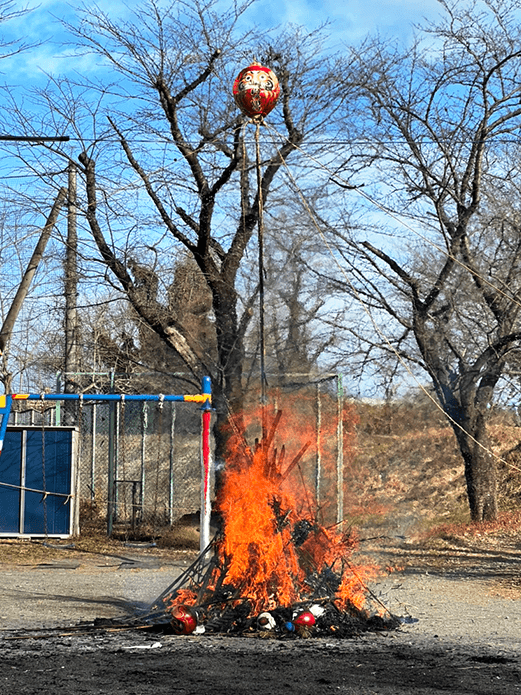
(39, 503)
(11, 474)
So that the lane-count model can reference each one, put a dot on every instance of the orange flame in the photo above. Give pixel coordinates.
(274, 551)
(257, 514)
(265, 560)
(187, 597)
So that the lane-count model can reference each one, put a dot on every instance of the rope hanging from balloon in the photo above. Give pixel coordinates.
(256, 91)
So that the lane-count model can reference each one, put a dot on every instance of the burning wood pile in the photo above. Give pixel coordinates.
(273, 570)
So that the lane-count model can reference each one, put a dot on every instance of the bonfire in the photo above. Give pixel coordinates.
(273, 569)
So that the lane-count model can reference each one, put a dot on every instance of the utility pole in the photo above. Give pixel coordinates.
(71, 285)
(7, 328)
(9, 321)
(71, 289)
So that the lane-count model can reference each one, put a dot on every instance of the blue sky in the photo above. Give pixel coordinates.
(349, 22)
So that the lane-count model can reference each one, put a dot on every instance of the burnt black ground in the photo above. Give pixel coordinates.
(135, 664)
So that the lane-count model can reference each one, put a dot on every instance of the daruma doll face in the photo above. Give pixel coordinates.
(256, 90)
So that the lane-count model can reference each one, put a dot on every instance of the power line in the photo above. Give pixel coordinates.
(35, 138)
(351, 141)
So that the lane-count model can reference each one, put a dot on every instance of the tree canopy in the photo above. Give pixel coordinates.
(439, 123)
(167, 162)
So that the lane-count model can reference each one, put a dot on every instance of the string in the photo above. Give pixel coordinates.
(260, 225)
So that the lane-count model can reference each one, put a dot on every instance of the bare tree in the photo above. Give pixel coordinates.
(298, 341)
(116, 338)
(6, 331)
(10, 10)
(440, 124)
(172, 161)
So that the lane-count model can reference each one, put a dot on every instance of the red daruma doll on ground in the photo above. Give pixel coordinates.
(256, 91)
(184, 620)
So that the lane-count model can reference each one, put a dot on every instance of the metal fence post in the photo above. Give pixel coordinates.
(173, 413)
(318, 473)
(340, 450)
(111, 462)
(205, 466)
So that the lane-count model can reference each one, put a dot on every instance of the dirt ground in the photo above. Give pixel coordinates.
(460, 604)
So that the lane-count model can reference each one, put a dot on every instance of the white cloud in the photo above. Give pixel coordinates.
(350, 21)
(42, 28)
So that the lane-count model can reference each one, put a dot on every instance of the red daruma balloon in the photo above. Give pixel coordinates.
(184, 620)
(256, 91)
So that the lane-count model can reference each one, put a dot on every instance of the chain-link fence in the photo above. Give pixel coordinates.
(151, 451)
(138, 462)
(316, 418)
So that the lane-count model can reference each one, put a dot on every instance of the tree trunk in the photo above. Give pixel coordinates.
(480, 470)
(229, 395)
(465, 403)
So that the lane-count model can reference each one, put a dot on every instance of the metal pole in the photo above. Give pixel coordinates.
(206, 508)
(93, 452)
(58, 404)
(111, 462)
(318, 479)
(340, 450)
(144, 426)
(117, 430)
(171, 478)
(114, 398)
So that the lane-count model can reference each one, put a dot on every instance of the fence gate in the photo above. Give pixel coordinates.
(38, 473)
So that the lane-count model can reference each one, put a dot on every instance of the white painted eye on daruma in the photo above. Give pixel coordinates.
(246, 82)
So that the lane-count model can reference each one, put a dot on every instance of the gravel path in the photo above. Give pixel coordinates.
(66, 593)
(468, 597)
(461, 633)
(459, 610)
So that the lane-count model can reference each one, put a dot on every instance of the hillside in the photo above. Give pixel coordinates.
(408, 475)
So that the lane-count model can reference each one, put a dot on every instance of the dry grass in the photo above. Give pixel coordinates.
(171, 543)
(90, 549)
(179, 537)
(508, 524)
(408, 471)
